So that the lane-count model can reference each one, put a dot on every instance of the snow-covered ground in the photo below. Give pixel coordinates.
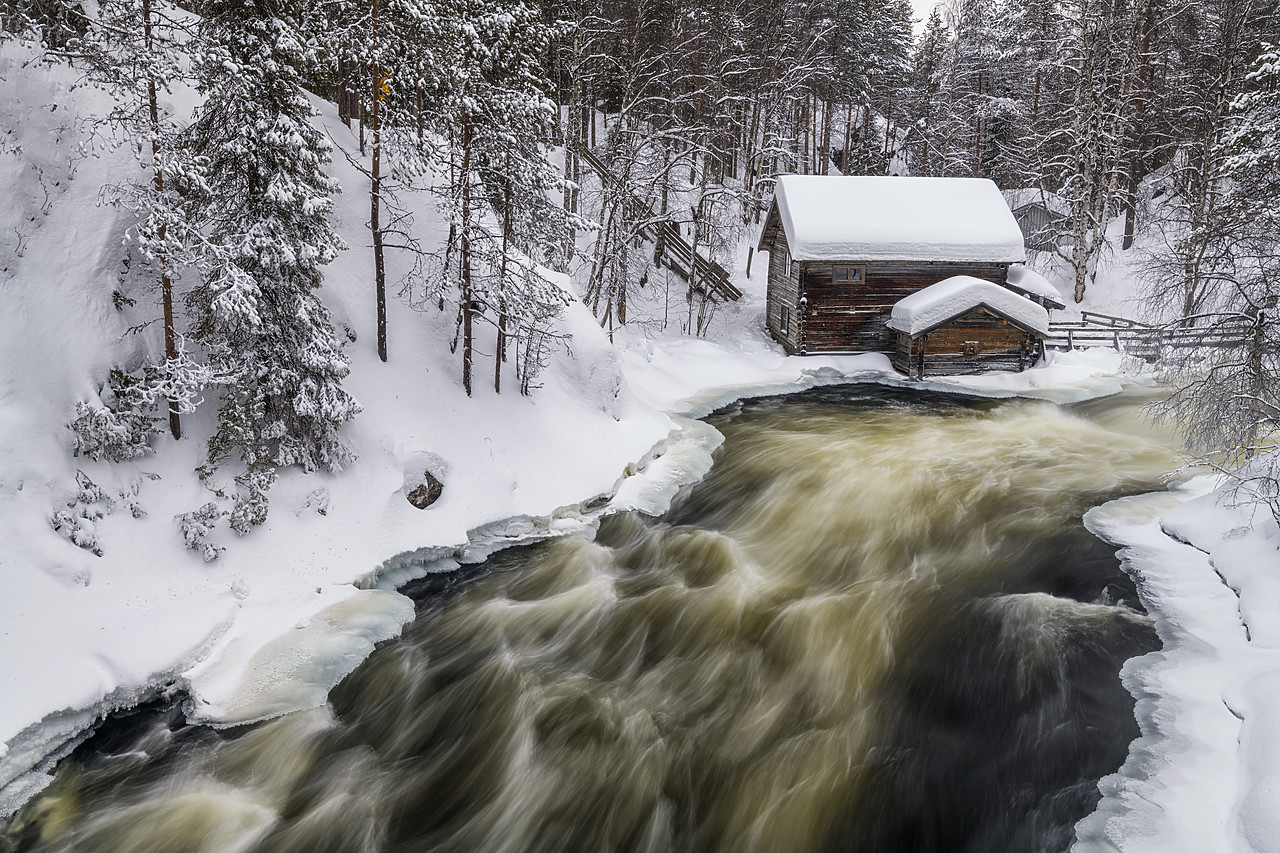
(1205, 774)
(289, 609)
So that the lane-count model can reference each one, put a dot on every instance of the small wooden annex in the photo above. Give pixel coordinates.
(965, 325)
(844, 250)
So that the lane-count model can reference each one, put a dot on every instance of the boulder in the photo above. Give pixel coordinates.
(427, 493)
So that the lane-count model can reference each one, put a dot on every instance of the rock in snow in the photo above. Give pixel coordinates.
(428, 493)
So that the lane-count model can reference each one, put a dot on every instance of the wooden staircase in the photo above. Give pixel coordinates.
(673, 251)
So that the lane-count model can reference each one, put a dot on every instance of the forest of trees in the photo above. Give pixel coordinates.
(1127, 118)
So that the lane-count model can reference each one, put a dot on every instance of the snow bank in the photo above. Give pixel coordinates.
(951, 297)
(693, 378)
(1062, 377)
(896, 219)
(1205, 773)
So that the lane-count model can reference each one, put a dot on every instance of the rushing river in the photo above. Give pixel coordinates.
(877, 625)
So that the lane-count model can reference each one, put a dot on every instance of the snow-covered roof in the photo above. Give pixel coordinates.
(1023, 279)
(828, 218)
(936, 304)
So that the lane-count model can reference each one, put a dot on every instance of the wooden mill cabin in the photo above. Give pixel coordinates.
(964, 325)
(844, 250)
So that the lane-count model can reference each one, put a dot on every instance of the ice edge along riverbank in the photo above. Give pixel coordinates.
(1205, 773)
(263, 672)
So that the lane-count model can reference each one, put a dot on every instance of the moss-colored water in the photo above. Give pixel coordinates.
(877, 625)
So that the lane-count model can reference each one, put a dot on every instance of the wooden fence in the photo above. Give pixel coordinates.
(1134, 338)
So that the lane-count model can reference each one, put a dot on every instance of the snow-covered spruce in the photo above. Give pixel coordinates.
(122, 424)
(267, 236)
(196, 526)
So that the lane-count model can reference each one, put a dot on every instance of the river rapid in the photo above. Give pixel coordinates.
(877, 624)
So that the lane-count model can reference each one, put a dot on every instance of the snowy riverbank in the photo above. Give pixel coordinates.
(1205, 775)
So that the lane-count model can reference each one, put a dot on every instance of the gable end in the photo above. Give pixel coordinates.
(978, 307)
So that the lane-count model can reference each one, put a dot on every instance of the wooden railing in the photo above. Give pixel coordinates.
(1135, 338)
(1110, 321)
(674, 251)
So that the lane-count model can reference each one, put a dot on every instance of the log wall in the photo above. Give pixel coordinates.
(977, 341)
(843, 317)
(849, 316)
(783, 296)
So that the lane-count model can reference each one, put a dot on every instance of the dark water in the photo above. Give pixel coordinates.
(878, 624)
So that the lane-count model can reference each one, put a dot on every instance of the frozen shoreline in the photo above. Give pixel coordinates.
(1204, 774)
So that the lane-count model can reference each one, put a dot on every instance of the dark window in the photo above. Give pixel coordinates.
(847, 274)
(786, 319)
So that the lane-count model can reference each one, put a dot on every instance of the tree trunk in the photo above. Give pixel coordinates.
(1137, 137)
(1130, 205)
(888, 128)
(500, 354)
(826, 136)
(344, 97)
(162, 254)
(804, 138)
(846, 159)
(1257, 382)
(375, 193)
(465, 179)
(977, 135)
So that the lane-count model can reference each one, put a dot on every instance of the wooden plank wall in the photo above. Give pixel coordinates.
(848, 317)
(1001, 346)
(783, 290)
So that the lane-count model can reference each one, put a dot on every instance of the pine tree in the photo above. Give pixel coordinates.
(138, 45)
(387, 56)
(927, 110)
(264, 218)
(134, 49)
